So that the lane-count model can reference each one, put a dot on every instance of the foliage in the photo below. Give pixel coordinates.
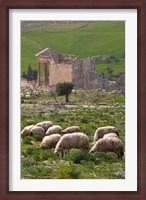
(79, 38)
(27, 140)
(38, 163)
(64, 89)
(30, 74)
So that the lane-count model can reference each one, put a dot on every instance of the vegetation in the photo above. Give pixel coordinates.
(80, 38)
(88, 109)
(89, 113)
(64, 89)
(30, 75)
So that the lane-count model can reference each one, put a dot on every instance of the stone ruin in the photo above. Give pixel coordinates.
(59, 68)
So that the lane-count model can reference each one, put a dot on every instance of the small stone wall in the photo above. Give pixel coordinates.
(85, 75)
(59, 73)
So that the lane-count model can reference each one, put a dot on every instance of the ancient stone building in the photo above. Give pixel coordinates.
(67, 68)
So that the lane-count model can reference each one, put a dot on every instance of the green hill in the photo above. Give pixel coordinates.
(80, 38)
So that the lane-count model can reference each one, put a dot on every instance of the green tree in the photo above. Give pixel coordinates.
(24, 75)
(30, 75)
(64, 89)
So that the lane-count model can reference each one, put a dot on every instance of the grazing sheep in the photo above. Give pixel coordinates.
(71, 129)
(45, 124)
(101, 131)
(50, 141)
(27, 129)
(37, 130)
(109, 135)
(72, 140)
(112, 144)
(54, 129)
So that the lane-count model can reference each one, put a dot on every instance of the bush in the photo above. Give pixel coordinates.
(74, 172)
(38, 137)
(27, 140)
(69, 171)
(80, 157)
(64, 89)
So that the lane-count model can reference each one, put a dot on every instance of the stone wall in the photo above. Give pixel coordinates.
(59, 73)
(85, 75)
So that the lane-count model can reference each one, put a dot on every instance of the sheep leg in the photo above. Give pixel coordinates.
(62, 154)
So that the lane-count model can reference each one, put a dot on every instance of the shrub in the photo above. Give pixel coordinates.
(38, 137)
(64, 89)
(27, 140)
(78, 156)
(74, 172)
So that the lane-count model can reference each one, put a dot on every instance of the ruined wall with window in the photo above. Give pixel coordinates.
(59, 68)
(85, 75)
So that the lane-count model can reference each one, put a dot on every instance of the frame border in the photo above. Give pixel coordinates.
(5, 5)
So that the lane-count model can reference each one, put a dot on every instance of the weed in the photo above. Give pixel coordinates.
(27, 140)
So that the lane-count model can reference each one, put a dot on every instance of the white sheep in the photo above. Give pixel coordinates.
(37, 130)
(109, 135)
(71, 129)
(54, 129)
(50, 141)
(72, 140)
(101, 131)
(27, 129)
(111, 144)
(45, 124)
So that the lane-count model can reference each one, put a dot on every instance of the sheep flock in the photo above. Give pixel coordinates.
(105, 139)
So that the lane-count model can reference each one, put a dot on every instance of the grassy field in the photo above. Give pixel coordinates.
(80, 38)
(88, 110)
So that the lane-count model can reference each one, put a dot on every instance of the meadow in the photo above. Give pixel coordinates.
(83, 39)
(88, 110)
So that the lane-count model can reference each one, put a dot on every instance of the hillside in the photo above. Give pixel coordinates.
(80, 38)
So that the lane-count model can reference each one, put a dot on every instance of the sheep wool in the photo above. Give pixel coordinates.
(111, 144)
(54, 129)
(101, 131)
(37, 130)
(50, 141)
(109, 135)
(27, 129)
(71, 129)
(72, 140)
(45, 124)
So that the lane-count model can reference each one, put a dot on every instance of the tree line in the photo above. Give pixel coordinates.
(30, 75)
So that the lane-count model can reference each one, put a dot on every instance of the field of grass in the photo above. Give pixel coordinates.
(80, 38)
(88, 110)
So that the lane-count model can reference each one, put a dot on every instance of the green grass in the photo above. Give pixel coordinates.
(101, 108)
(117, 67)
(82, 39)
(44, 164)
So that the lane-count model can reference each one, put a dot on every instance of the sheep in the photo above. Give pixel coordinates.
(71, 129)
(109, 135)
(27, 129)
(111, 144)
(45, 124)
(101, 131)
(37, 130)
(54, 129)
(50, 141)
(72, 140)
